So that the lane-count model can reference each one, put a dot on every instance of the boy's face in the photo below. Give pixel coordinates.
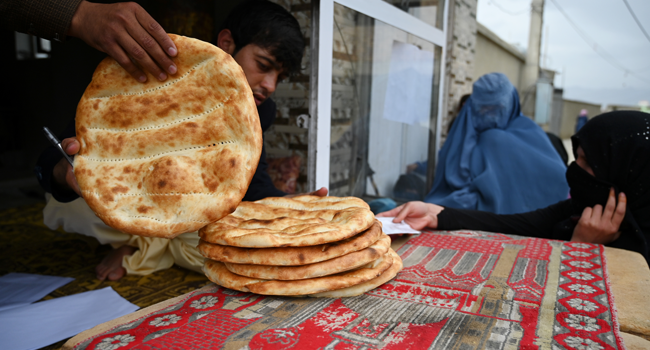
(262, 71)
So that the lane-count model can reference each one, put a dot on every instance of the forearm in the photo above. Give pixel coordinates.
(539, 223)
(262, 186)
(47, 19)
(257, 193)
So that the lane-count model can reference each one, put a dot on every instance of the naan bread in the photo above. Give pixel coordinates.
(361, 288)
(267, 225)
(163, 158)
(325, 268)
(219, 274)
(308, 202)
(291, 256)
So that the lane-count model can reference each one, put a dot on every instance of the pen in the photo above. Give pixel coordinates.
(50, 136)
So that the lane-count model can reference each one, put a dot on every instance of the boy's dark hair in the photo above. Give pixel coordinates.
(269, 26)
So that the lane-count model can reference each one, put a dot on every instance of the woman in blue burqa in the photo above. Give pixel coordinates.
(496, 159)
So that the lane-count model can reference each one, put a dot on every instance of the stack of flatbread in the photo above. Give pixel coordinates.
(307, 245)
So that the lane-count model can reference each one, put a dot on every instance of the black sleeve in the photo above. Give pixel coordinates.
(45, 167)
(262, 186)
(46, 19)
(541, 223)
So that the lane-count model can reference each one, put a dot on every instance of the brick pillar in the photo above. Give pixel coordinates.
(459, 63)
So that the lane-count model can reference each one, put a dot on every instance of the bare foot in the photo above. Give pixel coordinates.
(111, 265)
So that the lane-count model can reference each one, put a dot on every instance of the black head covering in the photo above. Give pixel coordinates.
(617, 147)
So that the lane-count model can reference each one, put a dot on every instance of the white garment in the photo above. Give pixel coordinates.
(153, 254)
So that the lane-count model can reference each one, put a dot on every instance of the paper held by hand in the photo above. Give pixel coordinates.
(391, 228)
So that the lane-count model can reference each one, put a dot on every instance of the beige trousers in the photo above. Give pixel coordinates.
(153, 254)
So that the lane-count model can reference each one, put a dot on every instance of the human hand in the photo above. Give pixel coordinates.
(63, 173)
(417, 214)
(125, 31)
(321, 192)
(598, 226)
(411, 167)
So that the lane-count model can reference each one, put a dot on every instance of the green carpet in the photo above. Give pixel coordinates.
(28, 246)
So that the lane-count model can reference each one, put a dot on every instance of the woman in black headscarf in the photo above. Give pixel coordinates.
(610, 193)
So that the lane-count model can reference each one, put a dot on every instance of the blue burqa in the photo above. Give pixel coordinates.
(496, 159)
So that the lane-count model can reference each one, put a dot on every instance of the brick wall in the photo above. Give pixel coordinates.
(459, 67)
(285, 138)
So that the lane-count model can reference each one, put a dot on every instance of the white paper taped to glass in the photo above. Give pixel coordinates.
(391, 228)
(409, 85)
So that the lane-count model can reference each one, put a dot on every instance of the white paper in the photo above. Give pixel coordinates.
(410, 84)
(18, 289)
(47, 322)
(391, 228)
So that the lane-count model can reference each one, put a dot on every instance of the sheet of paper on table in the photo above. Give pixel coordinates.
(18, 289)
(40, 324)
(391, 228)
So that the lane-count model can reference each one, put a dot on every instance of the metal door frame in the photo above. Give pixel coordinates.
(320, 104)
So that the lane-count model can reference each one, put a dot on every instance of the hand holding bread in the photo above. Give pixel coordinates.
(126, 32)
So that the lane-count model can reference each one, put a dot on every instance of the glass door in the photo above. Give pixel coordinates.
(375, 91)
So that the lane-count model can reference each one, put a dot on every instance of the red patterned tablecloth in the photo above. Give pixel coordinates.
(458, 290)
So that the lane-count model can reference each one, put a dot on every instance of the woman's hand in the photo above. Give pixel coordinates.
(417, 214)
(598, 226)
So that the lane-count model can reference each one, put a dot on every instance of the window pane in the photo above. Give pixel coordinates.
(429, 11)
(383, 107)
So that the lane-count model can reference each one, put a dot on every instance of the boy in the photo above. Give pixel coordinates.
(265, 40)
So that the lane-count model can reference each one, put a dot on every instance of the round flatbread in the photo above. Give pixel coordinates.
(308, 202)
(361, 288)
(291, 256)
(325, 268)
(163, 158)
(219, 274)
(257, 225)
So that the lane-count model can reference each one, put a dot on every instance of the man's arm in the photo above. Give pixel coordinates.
(262, 186)
(124, 31)
(47, 19)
